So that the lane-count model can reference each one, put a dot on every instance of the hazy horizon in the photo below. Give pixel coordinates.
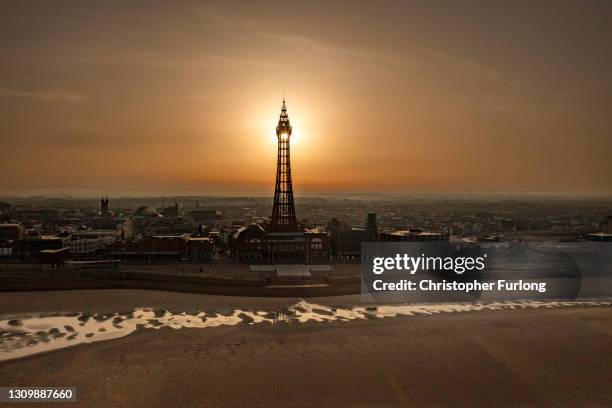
(351, 195)
(150, 98)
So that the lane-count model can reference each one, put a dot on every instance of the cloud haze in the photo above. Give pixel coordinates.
(161, 98)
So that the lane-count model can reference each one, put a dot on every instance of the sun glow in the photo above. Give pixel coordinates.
(264, 123)
(296, 136)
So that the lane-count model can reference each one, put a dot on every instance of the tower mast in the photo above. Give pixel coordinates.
(283, 211)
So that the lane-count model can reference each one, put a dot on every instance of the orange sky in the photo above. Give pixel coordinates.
(164, 98)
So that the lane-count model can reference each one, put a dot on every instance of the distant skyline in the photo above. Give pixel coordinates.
(159, 98)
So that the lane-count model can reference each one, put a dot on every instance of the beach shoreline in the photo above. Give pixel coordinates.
(526, 357)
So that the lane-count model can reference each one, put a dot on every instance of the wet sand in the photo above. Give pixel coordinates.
(549, 357)
(114, 300)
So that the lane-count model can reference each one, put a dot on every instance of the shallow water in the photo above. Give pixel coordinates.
(22, 336)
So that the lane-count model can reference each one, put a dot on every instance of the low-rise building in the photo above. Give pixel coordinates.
(11, 231)
(413, 235)
(166, 247)
(86, 246)
(31, 246)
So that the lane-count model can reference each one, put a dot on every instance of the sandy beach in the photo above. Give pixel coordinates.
(542, 357)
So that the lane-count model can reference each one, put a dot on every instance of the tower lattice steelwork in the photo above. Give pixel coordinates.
(283, 212)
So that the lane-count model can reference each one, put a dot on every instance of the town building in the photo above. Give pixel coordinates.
(159, 248)
(206, 217)
(90, 242)
(346, 239)
(413, 235)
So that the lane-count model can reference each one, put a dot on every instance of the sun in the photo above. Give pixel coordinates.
(296, 136)
(263, 123)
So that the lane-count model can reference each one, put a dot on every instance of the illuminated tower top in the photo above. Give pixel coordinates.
(283, 130)
(283, 211)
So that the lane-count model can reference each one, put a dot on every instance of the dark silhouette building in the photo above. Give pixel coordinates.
(106, 220)
(372, 228)
(172, 211)
(104, 207)
(162, 248)
(284, 240)
(346, 240)
(283, 211)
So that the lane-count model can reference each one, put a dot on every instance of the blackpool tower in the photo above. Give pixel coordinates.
(283, 212)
